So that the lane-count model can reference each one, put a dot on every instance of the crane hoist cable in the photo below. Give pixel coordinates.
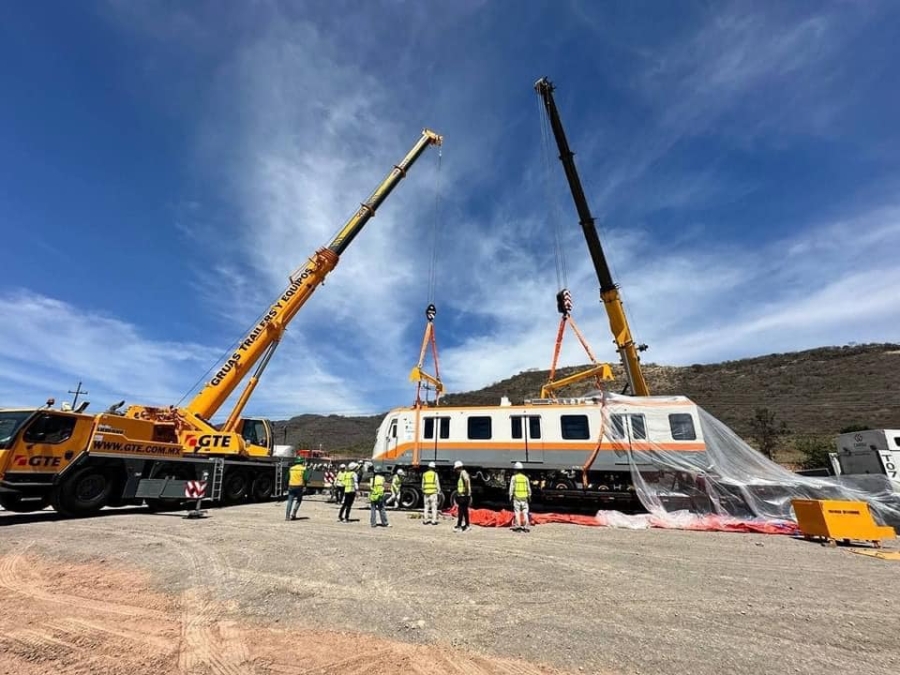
(600, 372)
(425, 381)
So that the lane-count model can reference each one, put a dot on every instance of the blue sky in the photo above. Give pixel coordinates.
(164, 166)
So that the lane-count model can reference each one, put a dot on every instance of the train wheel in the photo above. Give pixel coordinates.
(562, 484)
(409, 498)
(82, 494)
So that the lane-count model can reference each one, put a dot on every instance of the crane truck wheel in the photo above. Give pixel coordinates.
(236, 487)
(409, 498)
(263, 486)
(83, 493)
(17, 504)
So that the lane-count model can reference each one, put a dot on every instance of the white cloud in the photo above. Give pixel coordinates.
(703, 303)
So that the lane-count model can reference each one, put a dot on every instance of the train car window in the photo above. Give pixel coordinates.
(574, 427)
(429, 427)
(618, 426)
(682, 426)
(479, 428)
(444, 431)
(516, 426)
(534, 426)
(638, 428)
(50, 429)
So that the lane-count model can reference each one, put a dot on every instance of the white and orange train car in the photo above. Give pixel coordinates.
(576, 449)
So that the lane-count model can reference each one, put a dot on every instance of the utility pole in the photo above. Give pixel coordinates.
(78, 391)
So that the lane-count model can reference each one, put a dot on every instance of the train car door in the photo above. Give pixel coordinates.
(628, 430)
(435, 437)
(527, 432)
(389, 442)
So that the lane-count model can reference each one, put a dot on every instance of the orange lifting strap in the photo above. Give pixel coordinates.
(599, 371)
(425, 381)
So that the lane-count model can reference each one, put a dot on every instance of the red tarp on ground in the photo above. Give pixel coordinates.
(670, 521)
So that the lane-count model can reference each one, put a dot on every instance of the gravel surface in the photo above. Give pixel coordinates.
(567, 597)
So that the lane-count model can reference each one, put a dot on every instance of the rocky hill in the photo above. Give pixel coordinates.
(815, 393)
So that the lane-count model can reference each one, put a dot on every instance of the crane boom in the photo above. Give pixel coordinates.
(265, 335)
(609, 291)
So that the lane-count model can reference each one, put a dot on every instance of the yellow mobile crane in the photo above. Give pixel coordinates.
(80, 463)
(609, 291)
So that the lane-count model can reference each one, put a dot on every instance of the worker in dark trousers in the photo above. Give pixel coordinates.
(351, 485)
(463, 497)
(376, 500)
(338, 485)
(297, 476)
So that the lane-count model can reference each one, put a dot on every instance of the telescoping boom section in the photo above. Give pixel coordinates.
(302, 284)
(609, 291)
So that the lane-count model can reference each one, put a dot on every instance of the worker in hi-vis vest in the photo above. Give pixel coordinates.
(520, 494)
(297, 476)
(431, 488)
(396, 484)
(376, 500)
(351, 485)
(338, 485)
(463, 497)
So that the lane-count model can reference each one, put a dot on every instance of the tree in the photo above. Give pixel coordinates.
(814, 450)
(766, 429)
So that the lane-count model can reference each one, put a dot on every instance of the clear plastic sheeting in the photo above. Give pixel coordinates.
(727, 477)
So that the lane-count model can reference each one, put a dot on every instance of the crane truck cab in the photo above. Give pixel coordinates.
(79, 463)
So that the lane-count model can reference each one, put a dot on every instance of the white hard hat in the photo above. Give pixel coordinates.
(343, 466)
(431, 465)
(457, 464)
(353, 465)
(401, 472)
(518, 465)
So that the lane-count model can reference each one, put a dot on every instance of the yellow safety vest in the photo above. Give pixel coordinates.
(297, 474)
(520, 486)
(395, 483)
(377, 491)
(430, 482)
(339, 478)
(348, 481)
(461, 486)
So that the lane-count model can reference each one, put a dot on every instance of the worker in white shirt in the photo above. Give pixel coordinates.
(431, 488)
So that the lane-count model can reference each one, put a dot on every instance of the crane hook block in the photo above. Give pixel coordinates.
(564, 302)
(430, 312)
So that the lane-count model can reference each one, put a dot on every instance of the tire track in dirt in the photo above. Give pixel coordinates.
(16, 580)
(206, 640)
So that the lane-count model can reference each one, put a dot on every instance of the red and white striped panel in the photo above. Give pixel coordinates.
(195, 489)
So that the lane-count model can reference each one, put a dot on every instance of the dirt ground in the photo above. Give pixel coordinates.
(244, 592)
